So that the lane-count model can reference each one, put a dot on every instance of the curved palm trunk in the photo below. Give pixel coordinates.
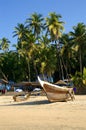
(80, 59)
(29, 70)
(62, 69)
(66, 68)
(4, 76)
(36, 70)
(61, 66)
(35, 67)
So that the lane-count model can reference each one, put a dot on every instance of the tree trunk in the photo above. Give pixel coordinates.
(80, 62)
(29, 70)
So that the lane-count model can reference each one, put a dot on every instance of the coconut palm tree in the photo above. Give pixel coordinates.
(25, 44)
(78, 36)
(67, 54)
(54, 26)
(21, 31)
(4, 44)
(55, 29)
(47, 57)
(35, 24)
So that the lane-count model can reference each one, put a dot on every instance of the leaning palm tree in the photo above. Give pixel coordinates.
(25, 45)
(67, 54)
(79, 40)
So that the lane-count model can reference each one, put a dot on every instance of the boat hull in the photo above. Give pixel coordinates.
(56, 93)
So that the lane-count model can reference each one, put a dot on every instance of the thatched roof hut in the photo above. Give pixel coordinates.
(27, 85)
(34, 84)
(61, 83)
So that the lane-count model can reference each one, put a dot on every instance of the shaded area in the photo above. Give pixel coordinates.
(29, 103)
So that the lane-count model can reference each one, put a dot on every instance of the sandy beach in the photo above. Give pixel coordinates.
(37, 113)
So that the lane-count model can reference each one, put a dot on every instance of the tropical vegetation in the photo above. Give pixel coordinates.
(42, 47)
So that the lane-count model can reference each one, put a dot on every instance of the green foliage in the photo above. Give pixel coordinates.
(43, 48)
(78, 79)
(84, 73)
(84, 76)
(4, 44)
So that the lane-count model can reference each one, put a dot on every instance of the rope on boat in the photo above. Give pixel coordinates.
(71, 93)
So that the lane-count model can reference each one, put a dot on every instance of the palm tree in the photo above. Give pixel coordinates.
(4, 44)
(55, 29)
(21, 31)
(35, 24)
(55, 26)
(79, 40)
(25, 44)
(67, 54)
(47, 57)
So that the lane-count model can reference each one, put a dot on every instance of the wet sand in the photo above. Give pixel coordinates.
(37, 113)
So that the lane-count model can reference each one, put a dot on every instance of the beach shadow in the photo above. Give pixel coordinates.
(29, 103)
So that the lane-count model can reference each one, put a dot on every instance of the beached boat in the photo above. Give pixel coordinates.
(21, 96)
(56, 93)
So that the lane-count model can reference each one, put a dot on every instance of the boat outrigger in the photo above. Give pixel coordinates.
(56, 93)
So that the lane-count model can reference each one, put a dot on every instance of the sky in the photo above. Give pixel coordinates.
(13, 12)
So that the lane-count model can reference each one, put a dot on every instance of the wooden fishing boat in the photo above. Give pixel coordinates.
(56, 93)
(21, 96)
